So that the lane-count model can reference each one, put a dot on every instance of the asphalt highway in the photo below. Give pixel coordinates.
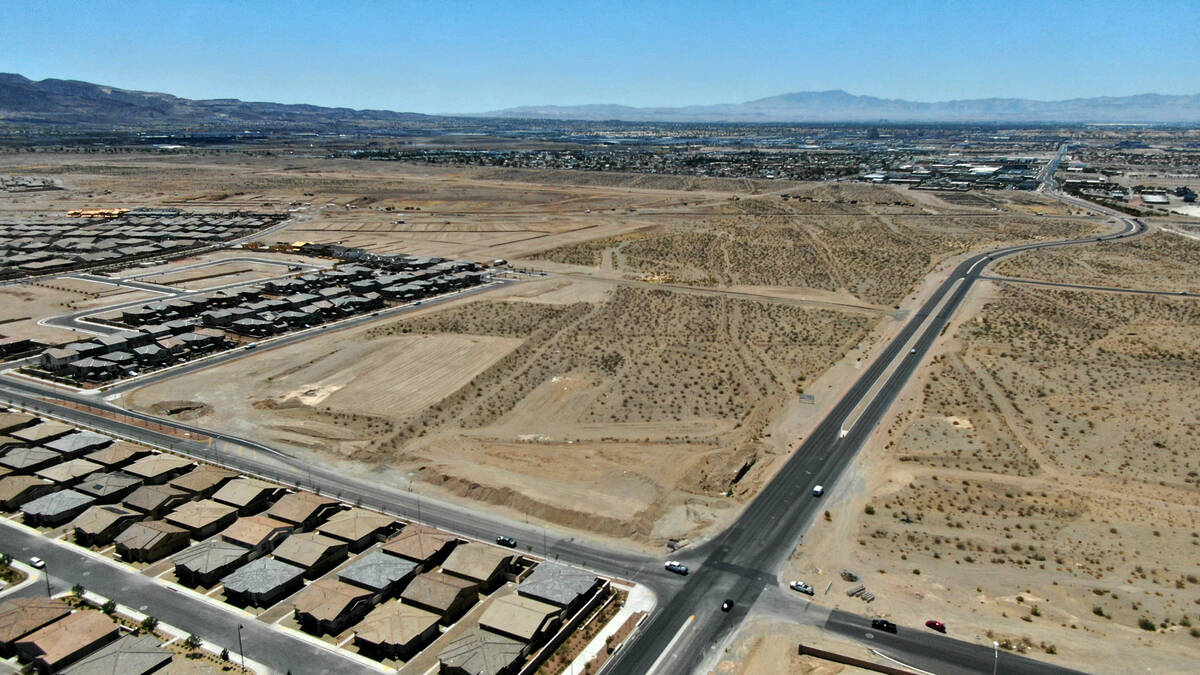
(740, 563)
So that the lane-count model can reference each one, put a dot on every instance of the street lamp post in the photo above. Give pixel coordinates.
(242, 652)
(46, 573)
(995, 656)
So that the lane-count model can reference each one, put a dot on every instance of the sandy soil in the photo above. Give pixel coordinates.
(23, 305)
(770, 646)
(216, 275)
(1160, 261)
(1036, 484)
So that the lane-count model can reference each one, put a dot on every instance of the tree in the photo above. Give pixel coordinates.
(192, 642)
(109, 607)
(5, 560)
(224, 654)
(77, 590)
(149, 624)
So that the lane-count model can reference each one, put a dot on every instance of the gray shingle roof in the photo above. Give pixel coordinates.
(556, 583)
(130, 654)
(57, 502)
(261, 576)
(377, 570)
(79, 441)
(209, 555)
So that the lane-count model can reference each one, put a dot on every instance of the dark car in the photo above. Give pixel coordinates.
(883, 625)
(507, 541)
(936, 625)
(727, 605)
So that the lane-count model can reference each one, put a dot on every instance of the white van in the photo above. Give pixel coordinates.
(818, 490)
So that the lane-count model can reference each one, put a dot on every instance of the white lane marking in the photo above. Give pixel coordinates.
(671, 644)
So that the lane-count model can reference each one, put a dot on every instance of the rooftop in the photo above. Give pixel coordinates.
(147, 533)
(355, 523)
(56, 503)
(435, 590)
(306, 548)
(130, 654)
(69, 635)
(102, 484)
(480, 652)
(157, 465)
(377, 570)
(395, 623)
(556, 583)
(40, 432)
(326, 599)
(252, 531)
(476, 561)
(19, 616)
(298, 506)
(209, 555)
(69, 470)
(242, 491)
(78, 442)
(116, 453)
(517, 615)
(417, 542)
(151, 497)
(202, 478)
(100, 517)
(196, 515)
(261, 576)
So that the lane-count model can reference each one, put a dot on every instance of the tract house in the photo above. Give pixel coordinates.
(448, 597)
(150, 540)
(395, 630)
(359, 528)
(207, 562)
(68, 473)
(108, 487)
(19, 489)
(423, 545)
(312, 552)
(482, 564)
(159, 468)
(247, 495)
(304, 510)
(129, 655)
(203, 481)
(521, 618)
(382, 574)
(202, 519)
(262, 582)
(560, 585)
(330, 606)
(481, 652)
(51, 648)
(101, 523)
(56, 508)
(21, 616)
(258, 534)
(155, 500)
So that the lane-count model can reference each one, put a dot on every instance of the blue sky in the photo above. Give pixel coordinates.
(474, 56)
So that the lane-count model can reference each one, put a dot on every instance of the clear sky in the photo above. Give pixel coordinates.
(433, 56)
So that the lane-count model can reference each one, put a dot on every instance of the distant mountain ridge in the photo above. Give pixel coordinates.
(82, 104)
(840, 106)
(71, 103)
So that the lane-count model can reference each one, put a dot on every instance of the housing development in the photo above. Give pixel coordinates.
(813, 383)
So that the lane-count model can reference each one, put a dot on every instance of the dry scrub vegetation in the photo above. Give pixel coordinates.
(1046, 482)
(868, 241)
(1161, 261)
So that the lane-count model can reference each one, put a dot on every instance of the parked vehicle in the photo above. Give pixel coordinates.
(676, 567)
(936, 625)
(37, 562)
(507, 541)
(883, 625)
(801, 587)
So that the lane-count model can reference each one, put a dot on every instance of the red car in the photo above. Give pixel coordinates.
(936, 625)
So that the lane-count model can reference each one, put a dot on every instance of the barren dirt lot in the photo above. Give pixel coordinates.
(23, 305)
(1161, 261)
(1039, 486)
(217, 275)
(871, 242)
(654, 402)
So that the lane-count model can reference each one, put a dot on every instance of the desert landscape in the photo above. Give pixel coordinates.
(1011, 497)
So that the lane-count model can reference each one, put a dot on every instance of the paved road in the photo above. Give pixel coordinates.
(936, 653)
(740, 563)
(68, 566)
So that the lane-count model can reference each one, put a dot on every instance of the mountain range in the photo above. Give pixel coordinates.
(840, 106)
(71, 103)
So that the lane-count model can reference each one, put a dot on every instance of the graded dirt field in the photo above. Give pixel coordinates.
(221, 274)
(1037, 485)
(653, 402)
(1160, 261)
(23, 305)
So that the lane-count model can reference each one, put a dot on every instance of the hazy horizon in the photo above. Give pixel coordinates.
(463, 58)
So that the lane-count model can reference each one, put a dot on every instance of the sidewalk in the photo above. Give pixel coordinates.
(32, 576)
(640, 599)
(177, 633)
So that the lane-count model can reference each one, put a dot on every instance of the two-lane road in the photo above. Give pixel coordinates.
(741, 562)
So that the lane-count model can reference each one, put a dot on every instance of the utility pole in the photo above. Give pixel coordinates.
(995, 656)
(242, 652)
(46, 573)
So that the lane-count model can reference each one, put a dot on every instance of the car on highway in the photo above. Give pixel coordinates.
(801, 587)
(936, 625)
(676, 567)
(252, 345)
(818, 490)
(727, 605)
(883, 625)
(417, 303)
(37, 562)
(913, 350)
(507, 541)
